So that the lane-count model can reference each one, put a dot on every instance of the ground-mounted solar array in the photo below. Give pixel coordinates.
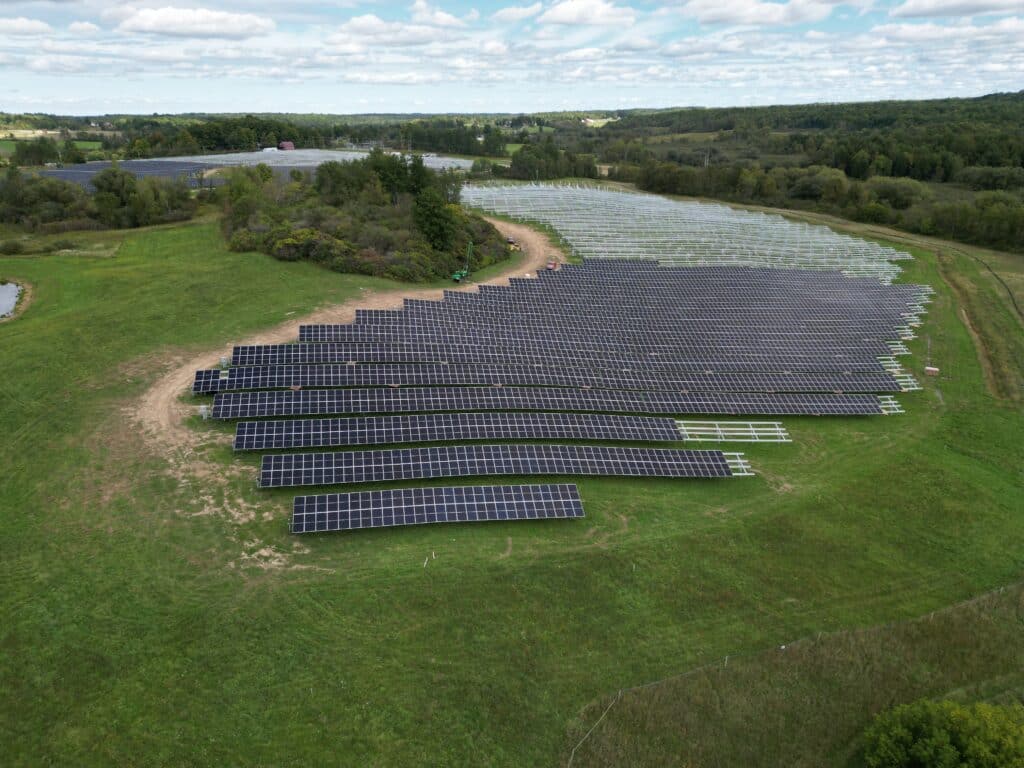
(169, 168)
(420, 506)
(308, 158)
(601, 223)
(193, 169)
(521, 380)
(450, 427)
(278, 470)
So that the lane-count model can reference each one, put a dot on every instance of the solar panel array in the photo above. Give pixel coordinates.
(601, 223)
(170, 168)
(449, 427)
(375, 375)
(419, 506)
(282, 470)
(194, 167)
(613, 350)
(327, 402)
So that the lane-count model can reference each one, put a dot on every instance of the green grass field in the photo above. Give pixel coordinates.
(156, 614)
(7, 145)
(805, 703)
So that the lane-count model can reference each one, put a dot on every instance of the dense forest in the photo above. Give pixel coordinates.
(387, 215)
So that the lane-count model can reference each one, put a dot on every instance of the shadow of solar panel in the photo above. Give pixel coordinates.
(487, 460)
(423, 506)
(449, 427)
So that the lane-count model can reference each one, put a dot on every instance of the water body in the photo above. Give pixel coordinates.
(9, 298)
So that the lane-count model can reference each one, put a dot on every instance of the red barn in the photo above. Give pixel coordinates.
(283, 145)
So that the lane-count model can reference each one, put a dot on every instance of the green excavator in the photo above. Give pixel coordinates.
(463, 273)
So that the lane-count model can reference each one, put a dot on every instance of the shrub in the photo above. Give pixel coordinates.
(900, 193)
(874, 213)
(11, 247)
(943, 734)
(243, 240)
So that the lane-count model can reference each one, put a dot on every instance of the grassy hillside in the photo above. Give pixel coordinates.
(156, 611)
(807, 703)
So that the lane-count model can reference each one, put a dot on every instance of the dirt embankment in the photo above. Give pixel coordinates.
(162, 414)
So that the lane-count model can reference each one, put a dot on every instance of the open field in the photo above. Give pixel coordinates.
(156, 610)
(7, 145)
(804, 703)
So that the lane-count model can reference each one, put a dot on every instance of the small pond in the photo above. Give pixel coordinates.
(9, 293)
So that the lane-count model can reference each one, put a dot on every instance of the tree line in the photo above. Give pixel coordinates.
(143, 137)
(991, 218)
(538, 160)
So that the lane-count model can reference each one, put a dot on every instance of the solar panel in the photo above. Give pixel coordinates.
(704, 350)
(449, 427)
(472, 348)
(601, 224)
(420, 506)
(326, 402)
(369, 375)
(486, 460)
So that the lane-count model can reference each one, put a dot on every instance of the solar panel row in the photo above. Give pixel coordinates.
(327, 402)
(419, 506)
(378, 352)
(372, 375)
(318, 354)
(450, 427)
(487, 460)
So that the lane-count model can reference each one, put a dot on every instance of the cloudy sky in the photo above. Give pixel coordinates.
(348, 56)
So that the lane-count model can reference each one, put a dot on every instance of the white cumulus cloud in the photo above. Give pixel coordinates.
(83, 28)
(920, 8)
(370, 28)
(516, 13)
(196, 22)
(595, 13)
(757, 11)
(23, 26)
(424, 13)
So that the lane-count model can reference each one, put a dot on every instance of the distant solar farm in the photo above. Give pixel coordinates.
(193, 168)
(612, 367)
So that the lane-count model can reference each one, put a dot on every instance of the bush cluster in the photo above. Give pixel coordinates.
(387, 216)
(49, 205)
(944, 734)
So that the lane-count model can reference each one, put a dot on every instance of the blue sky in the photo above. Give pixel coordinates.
(350, 56)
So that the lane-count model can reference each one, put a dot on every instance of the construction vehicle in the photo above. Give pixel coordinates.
(512, 244)
(463, 273)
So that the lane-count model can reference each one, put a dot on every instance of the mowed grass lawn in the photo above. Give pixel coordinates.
(151, 617)
(7, 145)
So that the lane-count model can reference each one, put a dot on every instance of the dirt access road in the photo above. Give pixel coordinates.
(162, 414)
